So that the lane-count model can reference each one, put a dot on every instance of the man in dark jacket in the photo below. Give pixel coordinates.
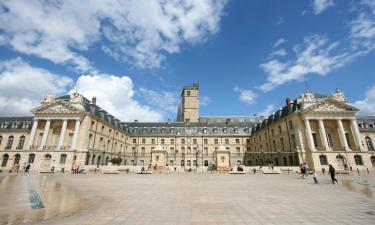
(332, 172)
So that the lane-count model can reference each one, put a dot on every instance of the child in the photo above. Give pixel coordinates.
(315, 178)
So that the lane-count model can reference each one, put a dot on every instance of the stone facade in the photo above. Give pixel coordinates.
(72, 130)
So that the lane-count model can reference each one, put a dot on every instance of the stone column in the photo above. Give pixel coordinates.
(310, 140)
(344, 142)
(323, 135)
(32, 134)
(45, 134)
(357, 136)
(62, 134)
(75, 135)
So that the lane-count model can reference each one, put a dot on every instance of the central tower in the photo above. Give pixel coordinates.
(188, 110)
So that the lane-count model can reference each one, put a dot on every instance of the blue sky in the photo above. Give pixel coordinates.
(135, 56)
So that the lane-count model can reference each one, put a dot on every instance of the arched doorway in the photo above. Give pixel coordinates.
(5, 160)
(372, 161)
(98, 161)
(17, 159)
(106, 160)
(93, 160)
(341, 163)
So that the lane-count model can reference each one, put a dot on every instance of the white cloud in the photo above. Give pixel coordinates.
(367, 105)
(246, 95)
(279, 42)
(280, 52)
(320, 5)
(161, 100)
(140, 32)
(280, 20)
(267, 111)
(204, 100)
(316, 55)
(115, 95)
(22, 86)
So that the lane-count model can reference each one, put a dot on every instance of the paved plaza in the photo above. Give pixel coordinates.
(186, 199)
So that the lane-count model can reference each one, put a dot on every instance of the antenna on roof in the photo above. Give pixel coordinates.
(306, 85)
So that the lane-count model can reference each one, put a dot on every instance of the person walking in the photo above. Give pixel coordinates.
(332, 172)
(306, 169)
(315, 178)
(323, 171)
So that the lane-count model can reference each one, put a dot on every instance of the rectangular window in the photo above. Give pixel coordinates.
(293, 137)
(134, 141)
(162, 141)
(329, 140)
(143, 151)
(182, 162)
(182, 141)
(205, 141)
(216, 141)
(323, 160)
(248, 141)
(226, 141)
(237, 141)
(142, 162)
(315, 140)
(172, 141)
(153, 141)
(238, 151)
(282, 144)
(188, 162)
(194, 162)
(205, 151)
(143, 141)
(358, 160)
(194, 141)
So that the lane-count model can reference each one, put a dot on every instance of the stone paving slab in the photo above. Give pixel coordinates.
(93, 199)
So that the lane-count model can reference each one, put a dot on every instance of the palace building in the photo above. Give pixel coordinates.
(72, 130)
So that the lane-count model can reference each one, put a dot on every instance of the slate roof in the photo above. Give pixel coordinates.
(366, 123)
(16, 123)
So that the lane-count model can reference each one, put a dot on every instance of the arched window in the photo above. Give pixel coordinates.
(10, 142)
(5, 160)
(369, 143)
(87, 159)
(372, 160)
(63, 159)
(17, 159)
(358, 160)
(276, 162)
(21, 142)
(323, 160)
(106, 160)
(98, 161)
(31, 158)
(285, 161)
(205, 162)
(93, 160)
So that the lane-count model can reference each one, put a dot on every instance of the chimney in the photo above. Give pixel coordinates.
(288, 101)
(93, 100)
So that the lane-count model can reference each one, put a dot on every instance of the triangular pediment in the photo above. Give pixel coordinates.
(331, 105)
(56, 107)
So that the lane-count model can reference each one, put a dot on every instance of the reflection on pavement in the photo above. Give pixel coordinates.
(23, 198)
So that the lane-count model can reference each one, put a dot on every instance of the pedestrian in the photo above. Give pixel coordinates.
(358, 171)
(351, 168)
(332, 172)
(315, 178)
(302, 170)
(323, 170)
(175, 167)
(78, 168)
(27, 168)
(17, 167)
(306, 168)
(368, 172)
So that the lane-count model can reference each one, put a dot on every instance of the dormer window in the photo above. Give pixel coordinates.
(153, 130)
(171, 130)
(162, 130)
(235, 130)
(205, 130)
(225, 130)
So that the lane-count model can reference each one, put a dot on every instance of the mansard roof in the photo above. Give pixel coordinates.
(16, 123)
(366, 123)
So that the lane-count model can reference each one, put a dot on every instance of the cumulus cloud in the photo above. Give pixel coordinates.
(321, 5)
(22, 86)
(280, 52)
(267, 111)
(115, 94)
(162, 100)
(367, 105)
(316, 55)
(246, 95)
(140, 32)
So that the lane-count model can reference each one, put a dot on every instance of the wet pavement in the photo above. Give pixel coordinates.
(185, 199)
